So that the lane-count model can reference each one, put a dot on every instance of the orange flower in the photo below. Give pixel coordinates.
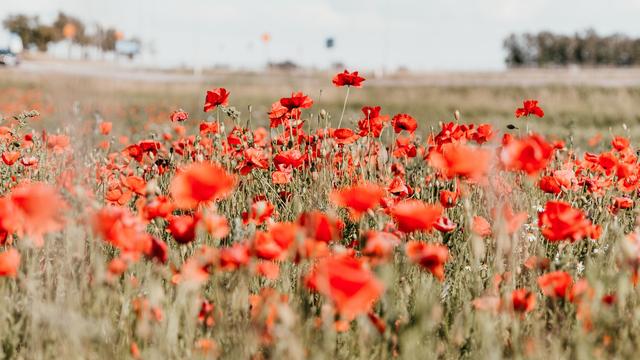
(216, 225)
(105, 128)
(415, 215)
(555, 284)
(481, 226)
(200, 183)
(58, 143)
(275, 244)
(431, 257)
(36, 210)
(460, 160)
(347, 283)
(559, 221)
(358, 198)
(9, 263)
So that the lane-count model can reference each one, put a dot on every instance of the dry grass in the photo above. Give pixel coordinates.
(64, 303)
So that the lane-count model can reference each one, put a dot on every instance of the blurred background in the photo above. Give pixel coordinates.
(424, 57)
(372, 34)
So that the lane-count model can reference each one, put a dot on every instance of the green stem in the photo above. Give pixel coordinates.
(344, 106)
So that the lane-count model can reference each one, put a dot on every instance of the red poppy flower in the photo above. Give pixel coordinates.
(460, 160)
(183, 228)
(555, 284)
(275, 244)
(380, 244)
(179, 115)
(261, 210)
(216, 97)
(529, 107)
(622, 203)
(358, 198)
(234, 257)
(449, 199)
(36, 209)
(405, 148)
(444, 224)
(297, 101)
(483, 133)
(531, 154)
(209, 128)
(415, 215)
(348, 79)
(292, 157)
(431, 257)
(58, 143)
(105, 127)
(549, 184)
(398, 187)
(404, 122)
(278, 114)
(523, 300)
(344, 136)
(321, 227)
(159, 206)
(347, 282)
(559, 221)
(620, 143)
(120, 228)
(481, 226)
(200, 183)
(9, 263)
(372, 122)
(10, 157)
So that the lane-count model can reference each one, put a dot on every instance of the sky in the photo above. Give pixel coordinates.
(369, 34)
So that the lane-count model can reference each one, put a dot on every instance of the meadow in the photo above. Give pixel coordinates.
(270, 216)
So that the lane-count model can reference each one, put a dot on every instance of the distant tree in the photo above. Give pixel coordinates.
(80, 37)
(64, 27)
(30, 31)
(585, 49)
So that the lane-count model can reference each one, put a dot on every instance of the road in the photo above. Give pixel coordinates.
(524, 77)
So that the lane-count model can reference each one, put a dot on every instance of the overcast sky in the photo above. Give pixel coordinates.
(419, 34)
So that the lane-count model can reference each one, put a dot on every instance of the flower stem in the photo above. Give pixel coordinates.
(344, 106)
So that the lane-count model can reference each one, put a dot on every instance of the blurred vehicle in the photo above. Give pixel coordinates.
(128, 48)
(10, 48)
(8, 58)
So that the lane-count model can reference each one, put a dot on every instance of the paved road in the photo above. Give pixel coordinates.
(525, 77)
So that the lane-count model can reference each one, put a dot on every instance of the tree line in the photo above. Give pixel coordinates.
(35, 34)
(583, 48)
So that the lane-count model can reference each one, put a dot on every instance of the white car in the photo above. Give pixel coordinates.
(8, 58)
(10, 48)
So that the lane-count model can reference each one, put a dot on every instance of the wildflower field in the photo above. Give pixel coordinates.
(356, 222)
